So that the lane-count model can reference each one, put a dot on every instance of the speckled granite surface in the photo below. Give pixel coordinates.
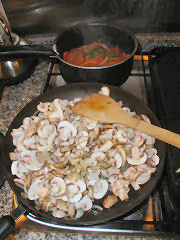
(15, 97)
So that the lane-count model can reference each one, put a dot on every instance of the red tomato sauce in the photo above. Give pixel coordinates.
(95, 55)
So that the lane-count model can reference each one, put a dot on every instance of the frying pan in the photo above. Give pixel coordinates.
(77, 36)
(71, 91)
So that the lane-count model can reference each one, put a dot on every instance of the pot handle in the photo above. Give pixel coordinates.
(21, 51)
(7, 226)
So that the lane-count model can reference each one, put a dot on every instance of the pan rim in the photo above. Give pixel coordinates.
(85, 86)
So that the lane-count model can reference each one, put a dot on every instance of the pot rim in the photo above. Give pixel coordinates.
(102, 24)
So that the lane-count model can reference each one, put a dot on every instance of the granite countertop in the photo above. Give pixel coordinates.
(16, 96)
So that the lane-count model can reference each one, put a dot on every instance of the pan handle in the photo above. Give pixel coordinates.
(7, 226)
(21, 51)
(7, 223)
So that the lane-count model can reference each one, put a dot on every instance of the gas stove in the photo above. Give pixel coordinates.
(159, 214)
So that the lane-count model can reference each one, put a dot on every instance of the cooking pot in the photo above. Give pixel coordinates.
(27, 207)
(77, 36)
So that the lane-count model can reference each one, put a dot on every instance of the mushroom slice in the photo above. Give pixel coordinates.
(121, 189)
(105, 91)
(98, 156)
(91, 183)
(106, 146)
(151, 151)
(143, 178)
(145, 168)
(37, 190)
(75, 190)
(45, 131)
(117, 160)
(58, 186)
(74, 177)
(148, 139)
(137, 157)
(43, 107)
(145, 118)
(135, 185)
(81, 186)
(85, 203)
(138, 140)
(123, 155)
(153, 161)
(89, 124)
(19, 169)
(76, 198)
(131, 173)
(122, 137)
(58, 213)
(110, 201)
(15, 156)
(66, 130)
(56, 116)
(100, 189)
(36, 159)
(19, 182)
(47, 203)
(62, 205)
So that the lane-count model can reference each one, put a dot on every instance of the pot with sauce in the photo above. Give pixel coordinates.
(107, 52)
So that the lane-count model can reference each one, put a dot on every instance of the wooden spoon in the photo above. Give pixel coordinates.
(104, 109)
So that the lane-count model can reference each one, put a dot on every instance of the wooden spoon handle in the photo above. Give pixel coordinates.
(155, 131)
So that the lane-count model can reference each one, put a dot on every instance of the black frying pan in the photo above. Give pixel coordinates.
(72, 91)
(77, 36)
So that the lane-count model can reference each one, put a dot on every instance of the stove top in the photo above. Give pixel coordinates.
(160, 213)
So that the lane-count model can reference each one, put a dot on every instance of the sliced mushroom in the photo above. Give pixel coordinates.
(81, 186)
(110, 201)
(135, 185)
(105, 91)
(148, 139)
(151, 151)
(117, 160)
(85, 203)
(98, 156)
(131, 173)
(138, 140)
(66, 130)
(137, 157)
(122, 137)
(76, 198)
(47, 203)
(143, 178)
(106, 146)
(58, 186)
(153, 161)
(19, 169)
(15, 156)
(58, 213)
(100, 189)
(43, 107)
(123, 155)
(45, 131)
(145, 118)
(37, 190)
